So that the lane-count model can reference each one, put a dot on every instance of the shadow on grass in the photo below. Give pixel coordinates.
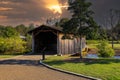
(86, 61)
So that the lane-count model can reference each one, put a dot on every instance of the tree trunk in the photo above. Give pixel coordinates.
(112, 43)
(80, 47)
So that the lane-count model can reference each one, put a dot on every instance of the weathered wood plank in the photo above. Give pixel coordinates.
(33, 43)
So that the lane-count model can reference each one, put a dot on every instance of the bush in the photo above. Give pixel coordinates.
(104, 50)
(12, 46)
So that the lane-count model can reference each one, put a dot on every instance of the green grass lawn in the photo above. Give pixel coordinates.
(6, 56)
(106, 69)
(94, 43)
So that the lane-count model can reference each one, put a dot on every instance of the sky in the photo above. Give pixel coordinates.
(15, 12)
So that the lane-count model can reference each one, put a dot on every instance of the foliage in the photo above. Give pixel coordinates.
(102, 34)
(104, 50)
(28, 43)
(8, 31)
(12, 45)
(106, 69)
(116, 31)
(10, 34)
(61, 22)
(22, 29)
(82, 21)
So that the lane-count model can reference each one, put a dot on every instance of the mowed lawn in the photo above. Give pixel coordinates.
(6, 56)
(94, 43)
(106, 69)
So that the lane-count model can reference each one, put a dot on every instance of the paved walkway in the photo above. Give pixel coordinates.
(27, 67)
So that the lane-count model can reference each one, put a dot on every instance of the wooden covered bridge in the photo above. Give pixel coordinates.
(51, 38)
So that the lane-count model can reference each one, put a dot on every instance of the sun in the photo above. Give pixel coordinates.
(56, 8)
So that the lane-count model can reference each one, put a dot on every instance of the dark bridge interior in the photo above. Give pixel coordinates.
(47, 41)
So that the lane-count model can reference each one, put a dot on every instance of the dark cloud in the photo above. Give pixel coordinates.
(34, 11)
(26, 11)
(102, 9)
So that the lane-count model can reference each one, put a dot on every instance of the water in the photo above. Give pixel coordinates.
(92, 56)
(96, 56)
(117, 57)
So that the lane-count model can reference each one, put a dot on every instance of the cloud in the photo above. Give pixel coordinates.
(3, 17)
(102, 7)
(15, 12)
(27, 11)
(5, 9)
(5, 2)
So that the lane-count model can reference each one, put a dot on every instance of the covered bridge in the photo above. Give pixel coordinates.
(50, 39)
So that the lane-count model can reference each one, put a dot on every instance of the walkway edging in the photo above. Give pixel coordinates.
(68, 72)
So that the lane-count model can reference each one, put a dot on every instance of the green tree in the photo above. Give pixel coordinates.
(22, 29)
(8, 31)
(102, 34)
(61, 22)
(2, 30)
(29, 42)
(81, 20)
(31, 26)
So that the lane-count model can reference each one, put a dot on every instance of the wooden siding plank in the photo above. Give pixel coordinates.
(33, 43)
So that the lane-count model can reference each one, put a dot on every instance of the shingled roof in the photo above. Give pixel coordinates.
(51, 27)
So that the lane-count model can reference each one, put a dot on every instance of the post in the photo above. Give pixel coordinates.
(43, 53)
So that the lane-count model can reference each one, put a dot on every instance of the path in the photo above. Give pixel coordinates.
(27, 67)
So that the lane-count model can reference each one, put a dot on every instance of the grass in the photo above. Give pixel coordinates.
(106, 69)
(94, 43)
(6, 56)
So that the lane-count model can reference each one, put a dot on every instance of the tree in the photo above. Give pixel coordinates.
(114, 20)
(8, 31)
(81, 20)
(102, 33)
(31, 26)
(22, 29)
(117, 28)
(2, 29)
(61, 22)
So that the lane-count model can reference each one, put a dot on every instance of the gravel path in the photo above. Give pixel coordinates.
(27, 67)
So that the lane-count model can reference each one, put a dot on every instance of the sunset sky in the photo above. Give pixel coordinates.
(14, 12)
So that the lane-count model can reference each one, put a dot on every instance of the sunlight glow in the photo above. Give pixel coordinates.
(55, 6)
(55, 9)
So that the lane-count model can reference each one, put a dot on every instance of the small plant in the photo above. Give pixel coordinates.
(104, 50)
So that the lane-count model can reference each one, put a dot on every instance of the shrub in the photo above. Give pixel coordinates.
(12, 46)
(104, 50)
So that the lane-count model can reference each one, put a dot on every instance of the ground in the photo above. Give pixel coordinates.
(27, 67)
